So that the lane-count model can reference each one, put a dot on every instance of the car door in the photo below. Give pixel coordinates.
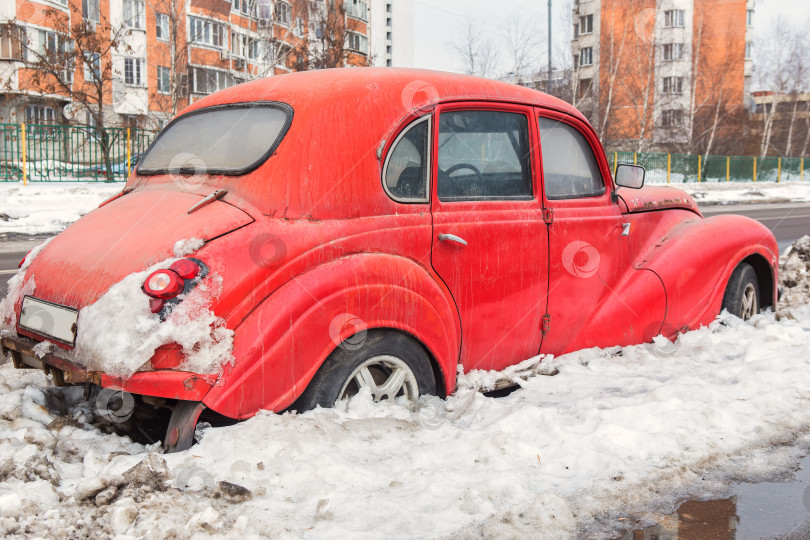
(489, 239)
(596, 297)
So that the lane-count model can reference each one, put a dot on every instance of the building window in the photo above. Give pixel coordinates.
(585, 87)
(206, 32)
(357, 9)
(133, 71)
(92, 67)
(586, 24)
(673, 85)
(134, 14)
(673, 18)
(90, 11)
(207, 81)
(239, 44)
(163, 80)
(162, 26)
(749, 17)
(55, 49)
(247, 7)
(283, 13)
(39, 114)
(749, 50)
(11, 41)
(357, 42)
(586, 56)
(673, 51)
(672, 118)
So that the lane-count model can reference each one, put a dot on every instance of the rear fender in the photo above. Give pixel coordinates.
(713, 247)
(282, 343)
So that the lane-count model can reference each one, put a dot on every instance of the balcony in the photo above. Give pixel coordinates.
(357, 9)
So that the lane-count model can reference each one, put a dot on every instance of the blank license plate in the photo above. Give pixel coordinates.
(49, 319)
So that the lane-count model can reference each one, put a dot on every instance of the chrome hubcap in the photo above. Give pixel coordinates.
(749, 302)
(386, 377)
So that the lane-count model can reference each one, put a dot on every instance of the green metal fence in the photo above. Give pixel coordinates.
(679, 168)
(49, 153)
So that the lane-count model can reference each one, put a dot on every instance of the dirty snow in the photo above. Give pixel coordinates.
(48, 208)
(616, 433)
(746, 192)
(118, 334)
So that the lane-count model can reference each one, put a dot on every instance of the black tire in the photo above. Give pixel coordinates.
(337, 371)
(742, 288)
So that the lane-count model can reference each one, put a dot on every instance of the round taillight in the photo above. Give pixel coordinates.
(163, 284)
(185, 268)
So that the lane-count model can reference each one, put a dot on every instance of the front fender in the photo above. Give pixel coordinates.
(282, 343)
(695, 261)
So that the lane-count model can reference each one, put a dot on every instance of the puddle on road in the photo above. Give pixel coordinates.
(774, 510)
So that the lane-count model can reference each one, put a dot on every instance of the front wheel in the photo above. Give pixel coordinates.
(388, 364)
(742, 292)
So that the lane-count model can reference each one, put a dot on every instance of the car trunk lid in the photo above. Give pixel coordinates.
(126, 235)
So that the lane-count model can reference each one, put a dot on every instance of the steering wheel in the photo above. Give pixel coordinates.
(459, 166)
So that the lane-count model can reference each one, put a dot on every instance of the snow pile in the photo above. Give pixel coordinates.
(118, 334)
(187, 247)
(18, 287)
(746, 192)
(616, 432)
(794, 274)
(49, 208)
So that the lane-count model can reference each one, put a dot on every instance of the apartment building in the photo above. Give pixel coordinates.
(147, 59)
(392, 33)
(658, 71)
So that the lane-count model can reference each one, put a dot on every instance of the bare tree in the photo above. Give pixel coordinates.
(522, 38)
(82, 43)
(171, 20)
(476, 50)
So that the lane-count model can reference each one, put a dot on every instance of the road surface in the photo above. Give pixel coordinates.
(788, 222)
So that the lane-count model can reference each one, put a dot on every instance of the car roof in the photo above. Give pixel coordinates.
(328, 166)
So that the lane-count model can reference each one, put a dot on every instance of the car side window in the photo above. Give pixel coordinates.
(570, 170)
(483, 155)
(406, 170)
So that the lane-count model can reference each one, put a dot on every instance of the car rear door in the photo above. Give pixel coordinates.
(489, 239)
(596, 297)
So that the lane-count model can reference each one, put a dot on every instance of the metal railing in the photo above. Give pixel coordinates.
(53, 153)
(680, 168)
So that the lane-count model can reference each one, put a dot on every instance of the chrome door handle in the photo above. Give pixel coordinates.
(452, 238)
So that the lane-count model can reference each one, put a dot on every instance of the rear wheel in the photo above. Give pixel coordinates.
(742, 292)
(388, 364)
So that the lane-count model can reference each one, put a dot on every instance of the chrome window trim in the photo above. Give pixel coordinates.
(428, 161)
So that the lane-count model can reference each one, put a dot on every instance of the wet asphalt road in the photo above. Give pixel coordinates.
(788, 222)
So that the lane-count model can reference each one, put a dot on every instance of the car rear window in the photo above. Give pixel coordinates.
(231, 139)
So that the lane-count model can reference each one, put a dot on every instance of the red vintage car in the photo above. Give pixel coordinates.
(375, 229)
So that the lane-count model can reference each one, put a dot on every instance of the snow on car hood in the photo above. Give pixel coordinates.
(650, 198)
(127, 235)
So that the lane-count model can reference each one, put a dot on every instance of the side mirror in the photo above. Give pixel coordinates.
(630, 176)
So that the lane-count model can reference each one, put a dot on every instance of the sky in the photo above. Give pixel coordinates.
(438, 21)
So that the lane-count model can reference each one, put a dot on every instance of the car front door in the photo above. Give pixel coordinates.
(489, 239)
(596, 297)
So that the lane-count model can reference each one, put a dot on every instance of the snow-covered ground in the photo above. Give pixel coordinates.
(47, 208)
(616, 433)
(747, 192)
